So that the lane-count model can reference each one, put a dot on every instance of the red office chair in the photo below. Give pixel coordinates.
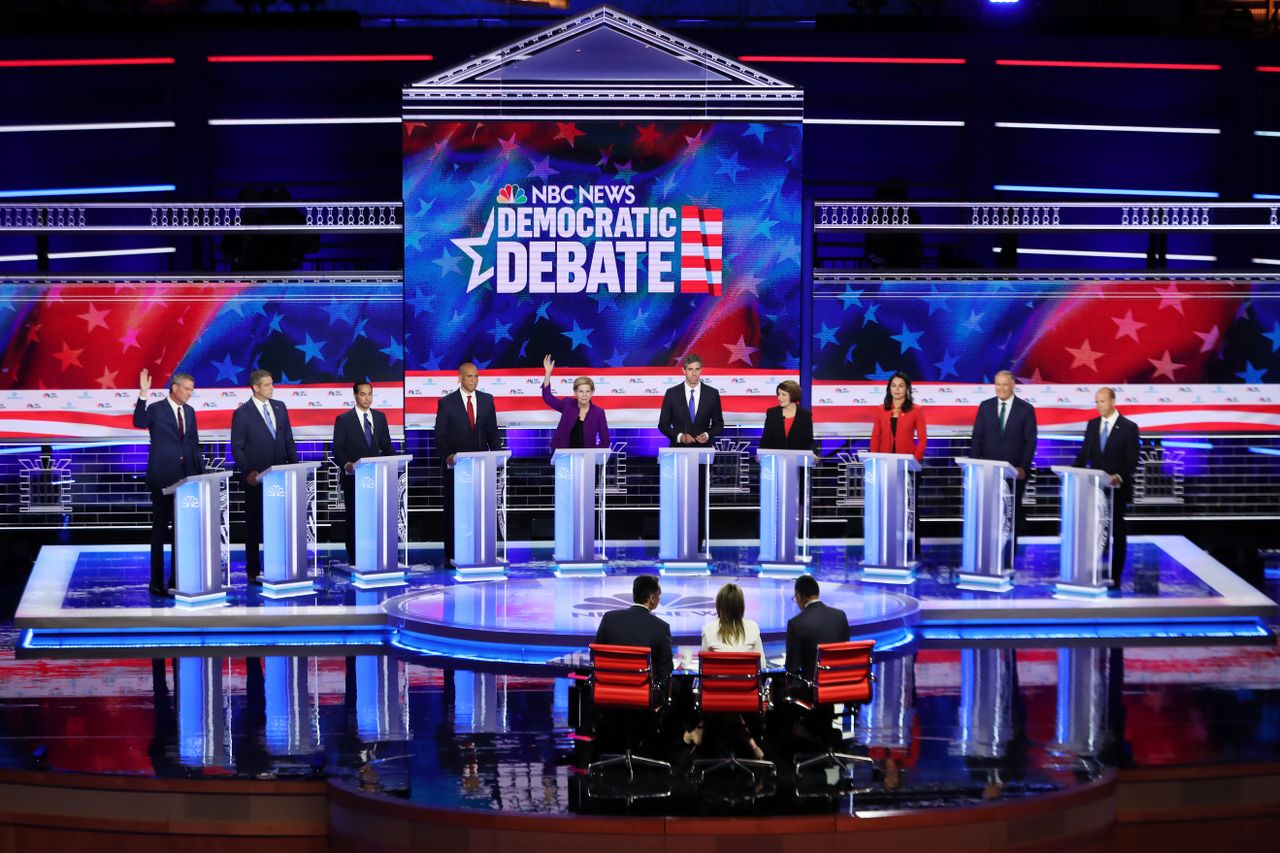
(843, 677)
(729, 684)
(622, 680)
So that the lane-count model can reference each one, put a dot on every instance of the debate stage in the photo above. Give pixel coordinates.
(82, 597)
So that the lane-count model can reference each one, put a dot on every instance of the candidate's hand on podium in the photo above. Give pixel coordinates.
(1116, 479)
(684, 438)
(252, 478)
(703, 439)
(144, 383)
(451, 457)
(1022, 473)
(350, 467)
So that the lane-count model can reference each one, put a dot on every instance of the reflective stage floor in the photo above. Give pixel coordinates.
(96, 597)
(992, 709)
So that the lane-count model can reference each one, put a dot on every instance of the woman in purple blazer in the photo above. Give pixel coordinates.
(581, 423)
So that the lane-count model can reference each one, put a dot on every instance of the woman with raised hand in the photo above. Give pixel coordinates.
(582, 422)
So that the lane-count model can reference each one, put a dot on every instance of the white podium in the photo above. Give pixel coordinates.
(576, 513)
(475, 514)
(678, 509)
(380, 504)
(986, 560)
(199, 522)
(784, 511)
(288, 525)
(1084, 567)
(889, 517)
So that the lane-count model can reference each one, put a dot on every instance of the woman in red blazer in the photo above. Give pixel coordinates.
(899, 426)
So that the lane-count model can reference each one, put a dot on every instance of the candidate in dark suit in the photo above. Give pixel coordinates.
(1005, 430)
(582, 422)
(787, 426)
(174, 453)
(466, 421)
(637, 626)
(691, 410)
(358, 432)
(1111, 445)
(898, 426)
(815, 624)
(261, 436)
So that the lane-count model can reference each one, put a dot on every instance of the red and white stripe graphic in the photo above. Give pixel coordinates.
(701, 245)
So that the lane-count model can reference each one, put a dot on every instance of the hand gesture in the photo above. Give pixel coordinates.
(144, 383)
(548, 365)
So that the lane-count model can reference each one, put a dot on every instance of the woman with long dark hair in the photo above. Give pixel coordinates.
(899, 426)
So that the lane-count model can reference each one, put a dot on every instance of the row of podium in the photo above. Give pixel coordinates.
(201, 551)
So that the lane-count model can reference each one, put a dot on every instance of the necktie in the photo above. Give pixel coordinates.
(182, 428)
(368, 430)
(693, 410)
(471, 412)
(1002, 409)
(266, 414)
(1102, 437)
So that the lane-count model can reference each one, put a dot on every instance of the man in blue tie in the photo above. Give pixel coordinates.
(358, 432)
(260, 437)
(691, 411)
(1111, 445)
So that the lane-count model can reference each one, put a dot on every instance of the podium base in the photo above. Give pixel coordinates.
(287, 589)
(200, 599)
(784, 568)
(1062, 589)
(684, 568)
(373, 580)
(581, 569)
(985, 583)
(890, 574)
(495, 571)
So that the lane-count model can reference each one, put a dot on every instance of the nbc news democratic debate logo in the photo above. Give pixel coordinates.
(577, 238)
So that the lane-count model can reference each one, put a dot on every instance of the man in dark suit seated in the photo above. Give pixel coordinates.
(261, 436)
(1111, 445)
(815, 624)
(466, 421)
(637, 626)
(174, 453)
(358, 432)
(1005, 430)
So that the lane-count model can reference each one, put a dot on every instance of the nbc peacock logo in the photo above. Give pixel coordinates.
(512, 194)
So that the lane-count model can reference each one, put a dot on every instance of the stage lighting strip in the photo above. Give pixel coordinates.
(85, 63)
(884, 122)
(103, 253)
(275, 122)
(1088, 253)
(1027, 188)
(324, 57)
(66, 191)
(1112, 128)
(859, 60)
(102, 125)
(1138, 66)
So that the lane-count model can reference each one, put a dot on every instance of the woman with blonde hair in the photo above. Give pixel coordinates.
(731, 631)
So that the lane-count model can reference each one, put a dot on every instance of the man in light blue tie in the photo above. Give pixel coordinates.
(261, 437)
(691, 417)
(358, 432)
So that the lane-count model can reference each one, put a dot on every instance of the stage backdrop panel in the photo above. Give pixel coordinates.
(614, 246)
(73, 349)
(1182, 355)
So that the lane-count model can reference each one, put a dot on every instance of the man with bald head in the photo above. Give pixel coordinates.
(1111, 445)
(466, 420)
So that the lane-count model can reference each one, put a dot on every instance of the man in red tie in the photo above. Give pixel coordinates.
(466, 420)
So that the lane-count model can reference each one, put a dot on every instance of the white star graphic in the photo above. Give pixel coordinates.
(740, 351)
(1165, 367)
(478, 276)
(1126, 326)
(1210, 339)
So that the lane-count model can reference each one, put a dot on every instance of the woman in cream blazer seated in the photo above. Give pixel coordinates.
(730, 631)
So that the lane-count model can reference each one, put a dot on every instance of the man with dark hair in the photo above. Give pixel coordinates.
(691, 410)
(466, 420)
(1111, 445)
(637, 626)
(358, 432)
(1005, 430)
(815, 624)
(260, 437)
(174, 453)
